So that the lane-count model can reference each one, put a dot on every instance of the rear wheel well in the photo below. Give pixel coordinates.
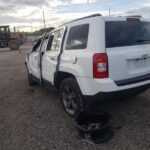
(60, 76)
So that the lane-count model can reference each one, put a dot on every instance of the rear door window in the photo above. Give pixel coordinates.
(44, 44)
(127, 33)
(54, 42)
(55, 39)
(77, 37)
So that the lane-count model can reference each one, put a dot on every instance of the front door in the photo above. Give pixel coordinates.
(34, 60)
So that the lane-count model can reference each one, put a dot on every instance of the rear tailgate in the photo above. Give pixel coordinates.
(128, 50)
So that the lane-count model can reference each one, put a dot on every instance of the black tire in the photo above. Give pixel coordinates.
(14, 45)
(71, 97)
(30, 79)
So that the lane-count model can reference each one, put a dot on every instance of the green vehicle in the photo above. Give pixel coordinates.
(8, 39)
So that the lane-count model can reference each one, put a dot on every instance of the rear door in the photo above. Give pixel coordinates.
(50, 56)
(128, 48)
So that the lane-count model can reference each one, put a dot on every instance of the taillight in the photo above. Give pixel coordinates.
(100, 65)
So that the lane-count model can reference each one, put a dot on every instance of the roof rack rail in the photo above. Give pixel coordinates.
(136, 16)
(90, 16)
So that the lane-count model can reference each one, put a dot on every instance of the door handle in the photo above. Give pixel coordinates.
(52, 58)
(36, 57)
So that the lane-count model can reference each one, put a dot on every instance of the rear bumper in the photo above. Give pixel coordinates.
(90, 86)
(115, 95)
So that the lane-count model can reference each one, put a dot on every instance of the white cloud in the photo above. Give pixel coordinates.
(29, 13)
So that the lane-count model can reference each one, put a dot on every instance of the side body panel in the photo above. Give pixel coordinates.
(79, 62)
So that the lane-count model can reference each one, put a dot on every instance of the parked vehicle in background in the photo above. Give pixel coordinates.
(12, 40)
(93, 58)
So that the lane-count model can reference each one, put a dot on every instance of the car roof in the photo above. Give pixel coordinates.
(86, 17)
(106, 18)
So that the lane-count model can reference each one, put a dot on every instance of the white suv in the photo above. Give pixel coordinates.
(93, 58)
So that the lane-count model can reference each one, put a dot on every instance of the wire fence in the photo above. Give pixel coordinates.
(28, 29)
(31, 33)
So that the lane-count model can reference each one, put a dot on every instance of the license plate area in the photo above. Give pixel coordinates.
(139, 64)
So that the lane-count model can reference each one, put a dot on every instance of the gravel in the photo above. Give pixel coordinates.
(32, 118)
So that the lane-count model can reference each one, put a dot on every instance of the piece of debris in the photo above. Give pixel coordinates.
(93, 126)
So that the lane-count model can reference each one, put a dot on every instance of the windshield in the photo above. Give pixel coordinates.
(127, 33)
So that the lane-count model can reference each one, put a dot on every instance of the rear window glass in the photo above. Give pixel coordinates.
(77, 37)
(127, 33)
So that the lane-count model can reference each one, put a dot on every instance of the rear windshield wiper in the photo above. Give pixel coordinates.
(142, 40)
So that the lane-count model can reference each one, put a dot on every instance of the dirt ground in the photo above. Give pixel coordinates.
(32, 118)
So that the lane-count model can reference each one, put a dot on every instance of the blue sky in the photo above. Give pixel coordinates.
(28, 13)
(100, 5)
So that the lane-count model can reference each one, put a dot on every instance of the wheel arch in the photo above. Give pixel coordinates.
(60, 76)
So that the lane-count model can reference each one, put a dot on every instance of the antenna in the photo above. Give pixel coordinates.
(109, 12)
(44, 20)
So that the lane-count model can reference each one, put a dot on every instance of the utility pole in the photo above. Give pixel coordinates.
(14, 29)
(44, 20)
(109, 12)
